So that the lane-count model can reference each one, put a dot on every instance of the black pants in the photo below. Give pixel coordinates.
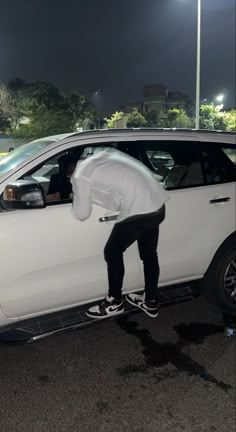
(145, 230)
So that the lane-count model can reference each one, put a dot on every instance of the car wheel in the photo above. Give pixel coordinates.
(219, 284)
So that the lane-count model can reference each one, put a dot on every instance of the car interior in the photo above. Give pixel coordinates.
(170, 166)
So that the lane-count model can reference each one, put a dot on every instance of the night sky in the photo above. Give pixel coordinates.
(119, 46)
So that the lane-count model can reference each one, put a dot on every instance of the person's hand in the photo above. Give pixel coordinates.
(71, 195)
(54, 197)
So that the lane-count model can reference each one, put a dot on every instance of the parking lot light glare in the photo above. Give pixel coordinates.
(220, 98)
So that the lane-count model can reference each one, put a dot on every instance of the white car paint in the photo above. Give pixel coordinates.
(62, 264)
(50, 261)
(184, 253)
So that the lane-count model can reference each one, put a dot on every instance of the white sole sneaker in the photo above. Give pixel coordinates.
(139, 302)
(93, 312)
(111, 315)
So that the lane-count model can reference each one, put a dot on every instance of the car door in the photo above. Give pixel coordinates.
(52, 261)
(196, 224)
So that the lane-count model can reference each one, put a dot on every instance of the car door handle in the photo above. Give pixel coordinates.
(220, 200)
(107, 218)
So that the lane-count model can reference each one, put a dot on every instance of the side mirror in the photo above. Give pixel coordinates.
(23, 194)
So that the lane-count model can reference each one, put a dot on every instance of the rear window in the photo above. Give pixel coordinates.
(219, 163)
(230, 153)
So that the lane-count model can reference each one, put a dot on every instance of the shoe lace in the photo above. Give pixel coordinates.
(106, 301)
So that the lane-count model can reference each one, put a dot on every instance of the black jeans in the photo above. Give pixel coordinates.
(145, 230)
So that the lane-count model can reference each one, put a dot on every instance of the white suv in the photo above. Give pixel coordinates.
(52, 265)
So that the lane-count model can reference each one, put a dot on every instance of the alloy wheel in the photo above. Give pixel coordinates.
(230, 280)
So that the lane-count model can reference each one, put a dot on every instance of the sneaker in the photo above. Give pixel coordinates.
(152, 310)
(108, 307)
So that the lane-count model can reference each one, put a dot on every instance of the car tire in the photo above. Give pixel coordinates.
(220, 280)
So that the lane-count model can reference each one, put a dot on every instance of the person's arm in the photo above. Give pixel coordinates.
(53, 189)
(53, 185)
(82, 198)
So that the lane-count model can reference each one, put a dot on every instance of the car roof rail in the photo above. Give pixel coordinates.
(171, 130)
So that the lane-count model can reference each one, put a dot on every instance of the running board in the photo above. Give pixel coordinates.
(44, 326)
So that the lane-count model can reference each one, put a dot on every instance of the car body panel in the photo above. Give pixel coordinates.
(45, 269)
(183, 257)
(55, 271)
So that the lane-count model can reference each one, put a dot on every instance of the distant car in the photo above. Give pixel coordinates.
(2, 154)
(52, 265)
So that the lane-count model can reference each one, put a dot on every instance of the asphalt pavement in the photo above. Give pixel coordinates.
(175, 373)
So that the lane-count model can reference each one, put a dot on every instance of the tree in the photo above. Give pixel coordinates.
(219, 121)
(5, 123)
(211, 117)
(178, 118)
(230, 120)
(41, 107)
(151, 119)
(10, 101)
(5, 97)
(16, 83)
(135, 119)
(45, 123)
(7, 108)
(110, 122)
(81, 109)
(39, 96)
(207, 116)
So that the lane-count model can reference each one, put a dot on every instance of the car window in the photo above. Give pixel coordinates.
(230, 152)
(218, 162)
(175, 164)
(53, 176)
(46, 172)
(15, 157)
(160, 158)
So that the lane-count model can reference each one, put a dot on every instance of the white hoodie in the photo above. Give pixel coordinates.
(116, 182)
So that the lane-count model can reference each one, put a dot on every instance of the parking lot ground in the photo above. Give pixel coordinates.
(174, 373)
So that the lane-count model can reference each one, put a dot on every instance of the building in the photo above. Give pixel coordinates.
(138, 106)
(154, 98)
(159, 99)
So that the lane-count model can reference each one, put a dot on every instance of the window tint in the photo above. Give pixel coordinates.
(45, 171)
(160, 158)
(218, 163)
(175, 164)
(17, 156)
(54, 173)
(230, 153)
(53, 176)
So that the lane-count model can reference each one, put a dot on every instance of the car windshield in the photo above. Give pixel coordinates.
(17, 156)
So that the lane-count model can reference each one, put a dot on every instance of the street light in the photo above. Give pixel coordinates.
(198, 63)
(97, 97)
(198, 68)
(220, 98)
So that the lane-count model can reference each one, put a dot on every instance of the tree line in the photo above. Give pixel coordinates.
(211, 117)
(39, 109)
(33, 110)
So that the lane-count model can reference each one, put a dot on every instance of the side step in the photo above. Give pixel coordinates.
(41, 327)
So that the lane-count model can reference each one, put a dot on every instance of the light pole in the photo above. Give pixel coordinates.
(198, 62)
(97, 95)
